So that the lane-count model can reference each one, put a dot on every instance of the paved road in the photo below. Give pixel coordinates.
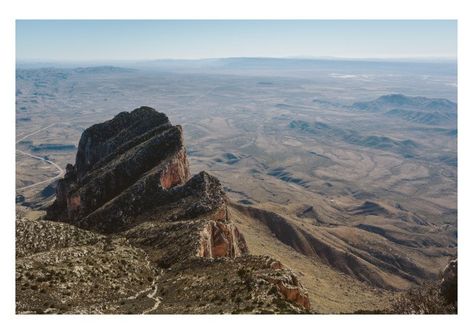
(59, 169)
(33, 133)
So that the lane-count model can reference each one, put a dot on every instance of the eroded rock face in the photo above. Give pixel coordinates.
(172, 242)
(221, 240)
(292, 290)
(287, 284)
(110, 137)
(132, 156)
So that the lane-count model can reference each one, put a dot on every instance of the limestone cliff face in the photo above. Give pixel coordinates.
(121, 159)
(133, 168)
(176, 171)
(123, 131)
(221, 240)
(131, 181)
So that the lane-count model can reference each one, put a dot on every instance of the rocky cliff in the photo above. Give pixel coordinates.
(135, 158)
(135, 233)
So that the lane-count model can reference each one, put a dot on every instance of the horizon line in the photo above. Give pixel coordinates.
(407, 58)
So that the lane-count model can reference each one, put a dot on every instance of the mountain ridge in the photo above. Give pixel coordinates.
(133, 232)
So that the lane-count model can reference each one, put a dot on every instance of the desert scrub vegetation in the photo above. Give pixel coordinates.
(425, 299)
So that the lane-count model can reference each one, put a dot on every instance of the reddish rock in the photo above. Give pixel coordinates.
(176, 171)
(294, 292)
(219, 239)
(287, 284)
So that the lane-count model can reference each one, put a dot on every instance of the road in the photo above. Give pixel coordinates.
(33, 133)
(59, 169)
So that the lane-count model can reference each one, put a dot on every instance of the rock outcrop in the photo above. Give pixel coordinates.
(449, 282)
(434, 297)
(130, 203)
(121, 166)
(221, 240)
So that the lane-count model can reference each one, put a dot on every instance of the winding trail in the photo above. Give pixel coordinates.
(151, 291)
(59, 169)
(153, 296)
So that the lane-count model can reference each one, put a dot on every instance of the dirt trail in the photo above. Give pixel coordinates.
(153, 296)
(151, 291)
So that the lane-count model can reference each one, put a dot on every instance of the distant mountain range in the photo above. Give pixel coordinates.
(427, 66)
(403, 147)
(391, 101)
(415, 109)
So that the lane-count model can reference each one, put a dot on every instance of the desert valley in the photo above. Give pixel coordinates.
(333, 184)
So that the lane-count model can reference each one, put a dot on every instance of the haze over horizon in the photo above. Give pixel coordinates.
(142, 40)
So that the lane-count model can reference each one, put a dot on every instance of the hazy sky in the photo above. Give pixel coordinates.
(76, 40)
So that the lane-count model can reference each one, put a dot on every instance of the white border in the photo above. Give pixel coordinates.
(242, 9)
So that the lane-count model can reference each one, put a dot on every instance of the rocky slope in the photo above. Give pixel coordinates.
(131, 232)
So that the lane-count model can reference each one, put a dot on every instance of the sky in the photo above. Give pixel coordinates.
(99, 40)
